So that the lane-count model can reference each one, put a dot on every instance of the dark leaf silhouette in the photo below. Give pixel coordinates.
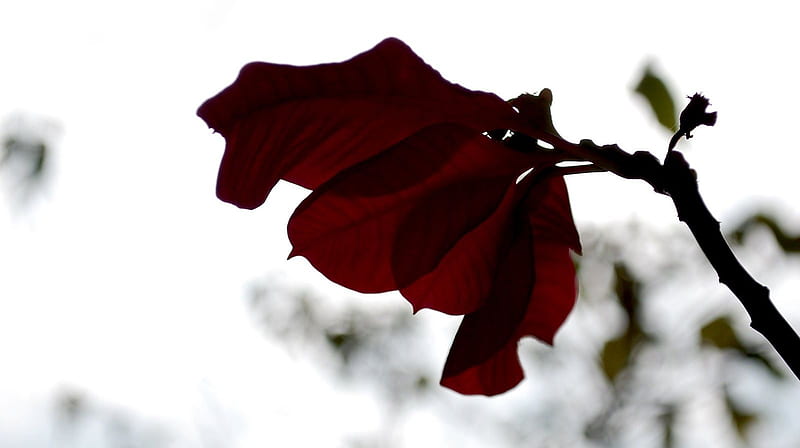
(382, 224)
(416, 189)
(305, 124)
(532, 293)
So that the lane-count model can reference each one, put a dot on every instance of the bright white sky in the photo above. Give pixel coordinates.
(129, 262)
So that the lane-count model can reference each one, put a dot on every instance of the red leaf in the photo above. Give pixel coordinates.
(532, 294)
(483, 357)
(463, 278)
(306, 124)
(550, 215)
(461, 281)
(384, 223)
(409, 195)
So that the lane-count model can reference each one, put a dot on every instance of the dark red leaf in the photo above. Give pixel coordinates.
(461, 281)
(410, 195)
(550, 214)
(306, 124)
(386, 222)
(533, 292)
(463, 278)
(483, 358)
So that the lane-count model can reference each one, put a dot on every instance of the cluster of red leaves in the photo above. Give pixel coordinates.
(410, 194)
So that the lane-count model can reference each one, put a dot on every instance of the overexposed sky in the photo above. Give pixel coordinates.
(128, 261)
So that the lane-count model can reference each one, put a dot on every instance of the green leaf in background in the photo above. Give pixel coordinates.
(616, 356)
(719, 333)
(658, 96)
(740, 418)
(788, 242)
(668, 420)
(618, 353)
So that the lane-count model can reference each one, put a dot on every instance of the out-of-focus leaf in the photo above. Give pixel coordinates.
(345, 343)
(787, 242)
(27, 156)
(71, 405)
(618, 353)
(720, 334)
(616, 356)
(764, 362)
(26, 150)
(740, 418)
(653, 89)
(423, 383)
(668, 420)
(627, 288)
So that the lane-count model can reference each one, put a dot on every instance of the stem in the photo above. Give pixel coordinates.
(765, 318)
(578, 169)
(677, 180)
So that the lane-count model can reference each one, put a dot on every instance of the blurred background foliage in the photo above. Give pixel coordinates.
(28, 143)
(655, 370)
(652, 356)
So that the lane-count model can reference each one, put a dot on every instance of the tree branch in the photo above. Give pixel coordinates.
(678, 181)
(681, 186)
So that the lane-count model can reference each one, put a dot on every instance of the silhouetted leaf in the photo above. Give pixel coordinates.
(306, 124)
(532, 293)
(658, 96)
(413, 192)
(386, 222)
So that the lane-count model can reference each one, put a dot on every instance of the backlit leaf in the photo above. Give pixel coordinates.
(415, 188)
(533, 292)
(386, 222)
(306, 124)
